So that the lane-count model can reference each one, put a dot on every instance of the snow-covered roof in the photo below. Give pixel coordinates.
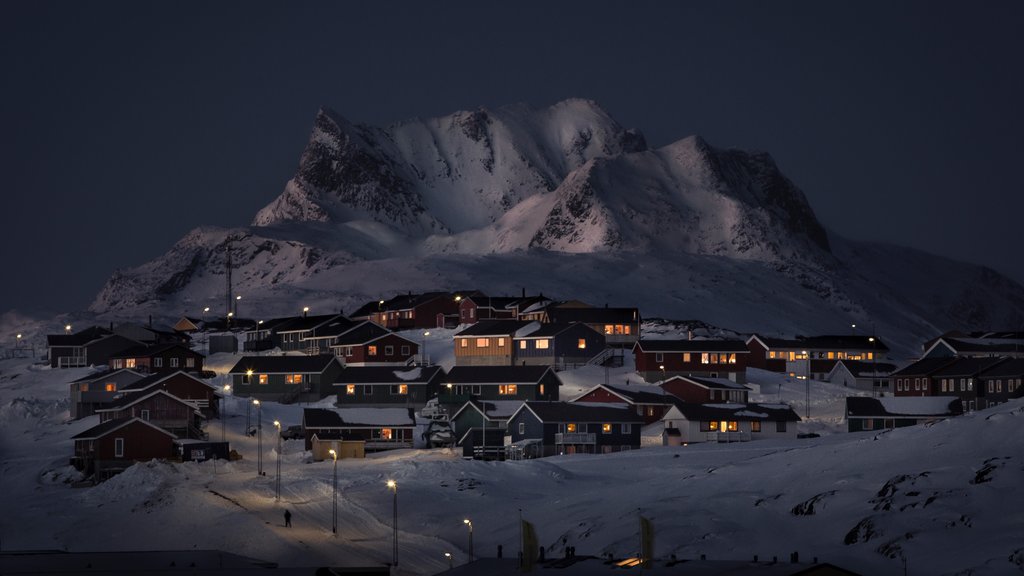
(860, 406)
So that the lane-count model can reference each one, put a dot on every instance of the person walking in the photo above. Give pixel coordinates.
(287, 519)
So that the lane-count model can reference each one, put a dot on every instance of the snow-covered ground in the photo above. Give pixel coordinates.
(945, 497)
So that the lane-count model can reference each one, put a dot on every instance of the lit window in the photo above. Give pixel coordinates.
(581, 344)
(733, 426)
(482, 342)
(371, 350)
(705, 358)
(350, 389)
(541, 389)
(543, 343)
(606, 428)
(686, 356)
(755, 426)
(831, 355)
(626, 329)
(263, 379)
(619, 329)
(507, 389)
(501, 342)
(732, 358)
(84, 387)
(771, 353)
(399, 388)
(190, 362)
(129, 363)
(110, 387)
(385, 433)
(609, 329)
(570, 427)
(871, 355)
(714, 425)
(463, 342)
(522, 344)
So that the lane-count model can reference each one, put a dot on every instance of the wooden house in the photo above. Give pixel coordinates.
(116, 444)
(704, 390)
(463, 383)
(377, 428)
(812, 356)
(556, 344)
(572, 428)
(870, 376)
(264, 334)
(961, 379)
(296, 335)
(915, 379)
(976, 345)
(369, 344)
(480, 427)
(97, 390)
(864, 413)
(658, 360)
(649, 402)
(183, 385)
(158, 358)
(1002, 382)
(409, 311)
(487, 343)
(477, 307)
(285, 378)
(687, 422)
(93, 346)
(160, 408)
(620, 326)
(387, 386)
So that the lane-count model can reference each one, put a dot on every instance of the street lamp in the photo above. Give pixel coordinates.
(305, 311)
(17, 341)
(334, 516)
(448, 555)
(807, 382)
(67, 329)
(237, 300)
(393, 486)
(662, 368)
(224, 414)
(470, 526)
(423, 353)
(259, 437)
(277, 482)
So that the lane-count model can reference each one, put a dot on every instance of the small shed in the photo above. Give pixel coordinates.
(345, 448)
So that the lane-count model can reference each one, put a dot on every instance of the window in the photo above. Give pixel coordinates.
(963, 384)
(264, 379)
(659, 357)
(371, 350)
(541, 390)
(871, 355)
(970, 384)
(609, 329)
(626, 329)
(119, 447)
(367, 390)
(686, 356)
(991, 386)
(190, 362)
(522, 427)
(158, 362)
(463, 342)
(385, 434)
(917, 383)
(117, 364)
(732, 358)
(389, 350)
(405, 351)
(144, 414)
(109, 387)
(606, 428)
(780, 426)
(501, 342)
(507, 389)
(627, 428)
(543, 344)
(399, 389)
(293, 378)
(350, 389)
(999, 385)
(581, 343)
(247, 378)
(174, 362)
(129, 363)
(522, 344)
(755, 425)
(705, 358)
(733, 426)
(713, 426)
(482, 342)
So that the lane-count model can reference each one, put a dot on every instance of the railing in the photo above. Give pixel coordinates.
(576, 438)
(728, 437)
(600, 358)
(70, 361)
(379, 444)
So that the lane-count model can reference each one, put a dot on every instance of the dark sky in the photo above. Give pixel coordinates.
(125, 124)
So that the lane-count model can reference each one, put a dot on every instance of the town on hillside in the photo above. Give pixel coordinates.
(367, 383)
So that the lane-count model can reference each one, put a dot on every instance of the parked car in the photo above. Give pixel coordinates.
(292, 433)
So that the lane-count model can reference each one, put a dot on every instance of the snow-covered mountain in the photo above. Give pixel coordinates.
(566, 201)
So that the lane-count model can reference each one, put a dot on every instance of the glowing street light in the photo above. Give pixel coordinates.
(17, 341)
(259, 437)
(224, 414)
(67, 329)
(305, 311)
(277, 481)
(448, 555)
(470, 526)
(423, 352)
(393, 486)
(334, 516)
(662, 368)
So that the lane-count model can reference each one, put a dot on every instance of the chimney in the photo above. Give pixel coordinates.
(689, 334)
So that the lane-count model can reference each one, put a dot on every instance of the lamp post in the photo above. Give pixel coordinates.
(448, 555)
(876, 386)
(230, 315)
(423, 352)
(67, 328)
(259, 437)
(248, 405)
(807, 382)
(224, 414)
(305, 311)
(470, 526)
(393, 486)
(277, 480)
(662, 368)
(238, 299)
(334, 491)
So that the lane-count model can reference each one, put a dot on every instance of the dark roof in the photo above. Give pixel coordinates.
(303, 323)
(552, 329)
(272, 324)
(494, 302)
(386, 375)
(736, 411)
(326, 418)
(154, 379)
(321, 418)
(967, 366)
(1012, 367)
(493, 328)
(991, 347)
(636, 394)
(496, 374)
(923, 367)
(859, 367)
(284, 364)
(124, 400)
(895, 406)
(573, 412)
(400, 302)
(715, 383)
(828, 342)
(80, 338)
(154, 350)
(362, 334)
(692, 346)
(336, 327)
(104, 374)
(109, 426)
(594, 315)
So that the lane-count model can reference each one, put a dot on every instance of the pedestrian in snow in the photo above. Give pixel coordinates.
(287, 519)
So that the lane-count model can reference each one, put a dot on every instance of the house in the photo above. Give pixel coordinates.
(657, 360)
(863, 413)
(974, 345)
(620, 326)
(556, 344)
(296, 335)
(961, 378)
(812, 356)
(487, 343)
(480, 427)
(97, 390)
(93, 346)
(157, 407)
(463, 383)
(872, 376)
(704, 390)
(687, 422)
(531, 308)
(263, 335)
(409, 311)
(477, 307)
(384, 386)
(151, 336)
(377, 428)
(1002, 382)
(285, 378)
(116, 444)
(320, 339)
(158, 358)
(183, 385)
(573, 428)
(369, 344)
(915, 378)
(649, 402)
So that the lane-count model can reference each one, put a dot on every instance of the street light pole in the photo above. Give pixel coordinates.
(807, 383)
(259, 437)
(423, 353)
(451, 563)
(394, 488)
(334, 493)
(277, 481)
(224, 414)
(470, 526)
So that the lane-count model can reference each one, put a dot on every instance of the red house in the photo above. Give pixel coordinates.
(705, 390)
(657, 360)
(157, 407)
(650, 402)
(409, 311)
(158, 358)
(372, 345)
(472, 309)
(114, 445)
(183, 386)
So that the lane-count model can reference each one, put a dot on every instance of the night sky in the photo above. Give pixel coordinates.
(124, 125)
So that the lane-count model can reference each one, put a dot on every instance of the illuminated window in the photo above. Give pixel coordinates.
(570, 427)
(705, 358)
(626, 329)
(581, 343)
(350, 389)
(609, 329)
(543, 343)
(84, 387)
(771, 353)
(831, 355)
(619, 329)
(606, 428)
(389, 350)
(293, 378)
(110, 387)
(732, 358)
(385, 433)
(755, 426)
(507, 389)
(482, 342)
(399, 388)
(733, 426)
(129, 363)
(371, 350)
(522, 344)
(263, 379)
(463, 342)
(541, 389)
(714, 426)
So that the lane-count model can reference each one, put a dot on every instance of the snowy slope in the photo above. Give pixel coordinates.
(945, 497)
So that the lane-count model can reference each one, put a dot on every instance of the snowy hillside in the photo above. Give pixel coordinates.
(565, 201)
(944, 498)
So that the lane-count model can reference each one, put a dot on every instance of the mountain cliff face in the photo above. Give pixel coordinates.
(532, 193)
